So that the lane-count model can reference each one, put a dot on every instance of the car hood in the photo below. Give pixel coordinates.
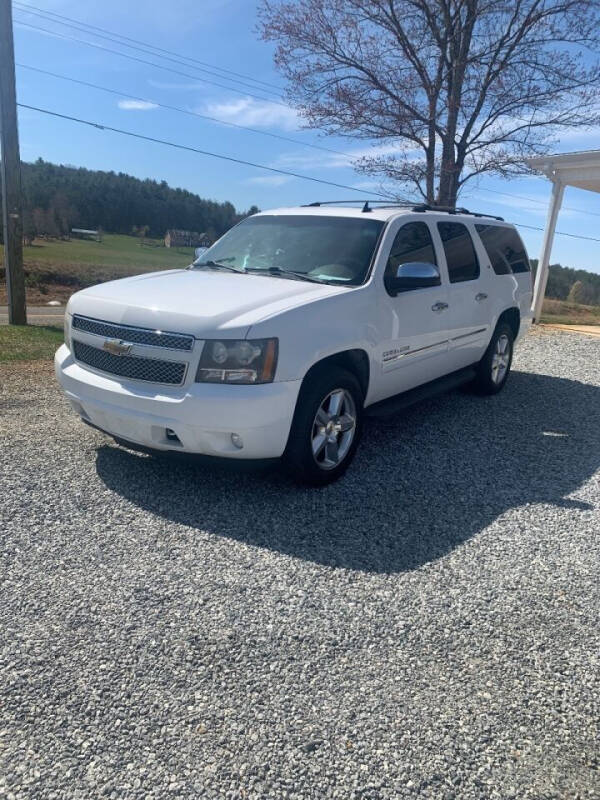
(198, 302)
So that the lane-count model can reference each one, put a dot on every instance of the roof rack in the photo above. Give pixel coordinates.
(366, 204)
(419, 207)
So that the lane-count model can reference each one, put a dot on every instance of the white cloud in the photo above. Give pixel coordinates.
(514, 202)
(270, 180)
(255, 113)
(512, 199)
(586, 138)
(184, 87)
(303, 160)
(136, 105)
(367, 185)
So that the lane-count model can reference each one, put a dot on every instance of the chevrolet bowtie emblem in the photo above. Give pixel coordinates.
(117, 347)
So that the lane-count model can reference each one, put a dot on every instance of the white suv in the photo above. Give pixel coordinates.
(280, 338)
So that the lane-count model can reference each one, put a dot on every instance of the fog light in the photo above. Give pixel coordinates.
(171, 435)
(237, 441)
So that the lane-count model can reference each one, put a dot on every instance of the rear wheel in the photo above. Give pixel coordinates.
(494, 367)
(326, 427)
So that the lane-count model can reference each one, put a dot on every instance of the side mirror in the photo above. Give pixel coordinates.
(200, 251)
(413, 275)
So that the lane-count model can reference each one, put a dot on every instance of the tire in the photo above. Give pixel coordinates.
(330, 399)
(494, 368)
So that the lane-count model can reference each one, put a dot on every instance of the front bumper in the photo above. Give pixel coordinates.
(202, 416)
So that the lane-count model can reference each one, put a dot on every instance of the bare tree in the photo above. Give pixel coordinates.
(580, 293)
(38, 216)
(64, 214)
(449, 89)
(28, 228)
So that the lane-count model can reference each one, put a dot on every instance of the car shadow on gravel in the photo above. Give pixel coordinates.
(422, 483)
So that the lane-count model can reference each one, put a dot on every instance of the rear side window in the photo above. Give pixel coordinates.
(412, 243)
(461, 257)
(505, 249)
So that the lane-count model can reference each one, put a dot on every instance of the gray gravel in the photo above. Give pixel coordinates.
(428, 627)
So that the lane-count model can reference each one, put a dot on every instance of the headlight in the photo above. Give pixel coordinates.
(238, 361)
(67, 330)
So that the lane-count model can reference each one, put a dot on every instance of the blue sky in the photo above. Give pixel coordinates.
(223, 33)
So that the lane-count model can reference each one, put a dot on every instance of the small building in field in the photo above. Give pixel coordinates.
(83, 233)
(179, 238)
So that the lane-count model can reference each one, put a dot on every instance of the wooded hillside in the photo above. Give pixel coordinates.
(576, 285)
(58, 198)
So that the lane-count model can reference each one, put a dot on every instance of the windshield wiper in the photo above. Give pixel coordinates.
(278, 272)
(217, 265)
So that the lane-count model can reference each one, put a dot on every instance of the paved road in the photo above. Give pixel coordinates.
(38, 315)
(424, 629)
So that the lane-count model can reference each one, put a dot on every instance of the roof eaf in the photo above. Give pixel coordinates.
(580, 169)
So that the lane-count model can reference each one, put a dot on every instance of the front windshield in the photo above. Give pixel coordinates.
(328, 249)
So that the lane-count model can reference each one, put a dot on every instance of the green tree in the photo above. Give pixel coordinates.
(579, 293)
(115, 202)
(561, 280)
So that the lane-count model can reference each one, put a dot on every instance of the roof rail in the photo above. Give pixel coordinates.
(366, 204)
(421, 207)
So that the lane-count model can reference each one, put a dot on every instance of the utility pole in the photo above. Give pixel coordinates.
(11, 173)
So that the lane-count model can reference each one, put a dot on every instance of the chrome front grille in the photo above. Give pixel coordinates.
(131, 333)
(153, 370)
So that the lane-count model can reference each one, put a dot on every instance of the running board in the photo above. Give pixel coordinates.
(385, 408)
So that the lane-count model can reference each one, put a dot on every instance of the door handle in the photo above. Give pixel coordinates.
(439, 307)
(481, 296)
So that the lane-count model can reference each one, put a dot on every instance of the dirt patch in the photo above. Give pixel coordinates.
(30, 370)
(588, 330)
(41, 295)
(45, 282)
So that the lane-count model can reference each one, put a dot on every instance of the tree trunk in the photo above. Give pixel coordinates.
(430, 156)
(453, 161)
(446, 195)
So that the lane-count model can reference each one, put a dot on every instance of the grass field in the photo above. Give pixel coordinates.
(563, 313)
(114, 252)
(55, 269)
(29, 342)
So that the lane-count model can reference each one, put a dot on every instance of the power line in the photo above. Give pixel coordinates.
(559, 233)
(537, 200)
(75, 24)
(181, 110)
(68, 38)
(103, 127)
(27, 6)
(77, 27)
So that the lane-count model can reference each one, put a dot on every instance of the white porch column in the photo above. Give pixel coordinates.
(541, 278)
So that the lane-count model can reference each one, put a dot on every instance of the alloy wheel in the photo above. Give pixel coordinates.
(333, 429)
(500, 359)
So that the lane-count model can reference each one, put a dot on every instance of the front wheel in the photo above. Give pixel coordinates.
(494, 367)
(326, 427)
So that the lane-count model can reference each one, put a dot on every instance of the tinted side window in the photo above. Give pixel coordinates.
(505, 249)
(412, 243)
(460, 252)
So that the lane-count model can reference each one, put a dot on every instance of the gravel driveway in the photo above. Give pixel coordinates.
(426, 628)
